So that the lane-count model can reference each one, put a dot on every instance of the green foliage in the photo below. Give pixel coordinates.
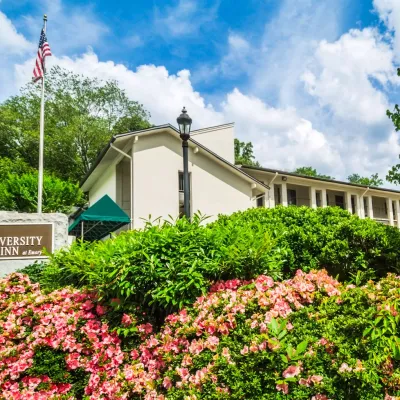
(244, 154)
(81, 115)
(34, 271)
(19, 193)
(374, 180)
(51, 363)
(14, 167)
(327, 237)
(310, 171)
(394, 173)
(165, 266)
(162, 268)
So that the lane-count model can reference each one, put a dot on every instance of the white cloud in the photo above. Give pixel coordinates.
(185, 19)
(13, 48)
(11, 42)
(282, 138)
(389, 13)
(342, 74)
(289, 40)
(161, 93)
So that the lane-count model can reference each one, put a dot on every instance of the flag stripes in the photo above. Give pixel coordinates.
(43, 52)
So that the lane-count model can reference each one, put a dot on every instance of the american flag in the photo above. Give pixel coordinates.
(43, 52)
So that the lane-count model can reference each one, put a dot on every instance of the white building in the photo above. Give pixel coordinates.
(142, 172)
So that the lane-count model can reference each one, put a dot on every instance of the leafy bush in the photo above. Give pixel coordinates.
(15, 166)
(34, 271)
(309, 337)
(19, 193)
(160, 269)
(166, 267)
(329, 238)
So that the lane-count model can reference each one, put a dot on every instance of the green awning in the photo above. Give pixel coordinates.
(99, 220)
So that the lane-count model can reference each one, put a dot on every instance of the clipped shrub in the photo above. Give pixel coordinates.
(308, 337)
(166, 266)
(161, 268)
(329, 238)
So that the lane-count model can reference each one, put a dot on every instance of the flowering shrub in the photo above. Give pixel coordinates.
(308, 337)
(54, 345)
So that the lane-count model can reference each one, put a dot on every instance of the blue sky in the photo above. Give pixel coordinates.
(307, 81)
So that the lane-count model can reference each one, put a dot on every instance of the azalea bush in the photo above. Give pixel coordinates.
(308, 337)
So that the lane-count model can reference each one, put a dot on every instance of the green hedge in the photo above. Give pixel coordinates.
(165, 267)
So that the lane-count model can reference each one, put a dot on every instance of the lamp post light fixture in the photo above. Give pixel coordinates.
(185, 123)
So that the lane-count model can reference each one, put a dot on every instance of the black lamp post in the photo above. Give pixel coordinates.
(185, 123)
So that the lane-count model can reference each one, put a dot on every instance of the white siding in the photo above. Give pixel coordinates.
(219, 139)
(105, 185)
(157, 162)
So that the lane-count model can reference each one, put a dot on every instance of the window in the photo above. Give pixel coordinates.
(365, 206)
(353, 205)
(181, 193)
(339, 201)
(181, 181)
(318, 198)
(292, 201)
(260, 201)
(277, 195)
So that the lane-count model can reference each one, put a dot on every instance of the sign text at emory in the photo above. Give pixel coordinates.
(22, 241)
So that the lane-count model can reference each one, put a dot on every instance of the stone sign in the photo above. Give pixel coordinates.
(23, 236)
(24, 241)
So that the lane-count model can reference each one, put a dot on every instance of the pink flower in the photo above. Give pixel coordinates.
(283, 387)
(134, 354)
(263, 283)
(291, 371)
(245, 350)
(183, 373)
(167, 383)
(100, 310)
(317, 378)
(305, 382)
(126, 320)
(345, 368)
(145, 328)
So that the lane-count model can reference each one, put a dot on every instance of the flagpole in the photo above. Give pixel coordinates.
(41, 138)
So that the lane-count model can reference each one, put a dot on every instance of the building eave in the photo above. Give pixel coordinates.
(313, 178)
(172, 130)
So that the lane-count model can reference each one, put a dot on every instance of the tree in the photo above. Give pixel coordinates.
(81, 116)
(244, 154)
(393, 175)
(374, 180)
(19, 193)
(310, 171)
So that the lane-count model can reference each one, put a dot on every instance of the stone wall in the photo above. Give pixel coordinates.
(60, 234)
